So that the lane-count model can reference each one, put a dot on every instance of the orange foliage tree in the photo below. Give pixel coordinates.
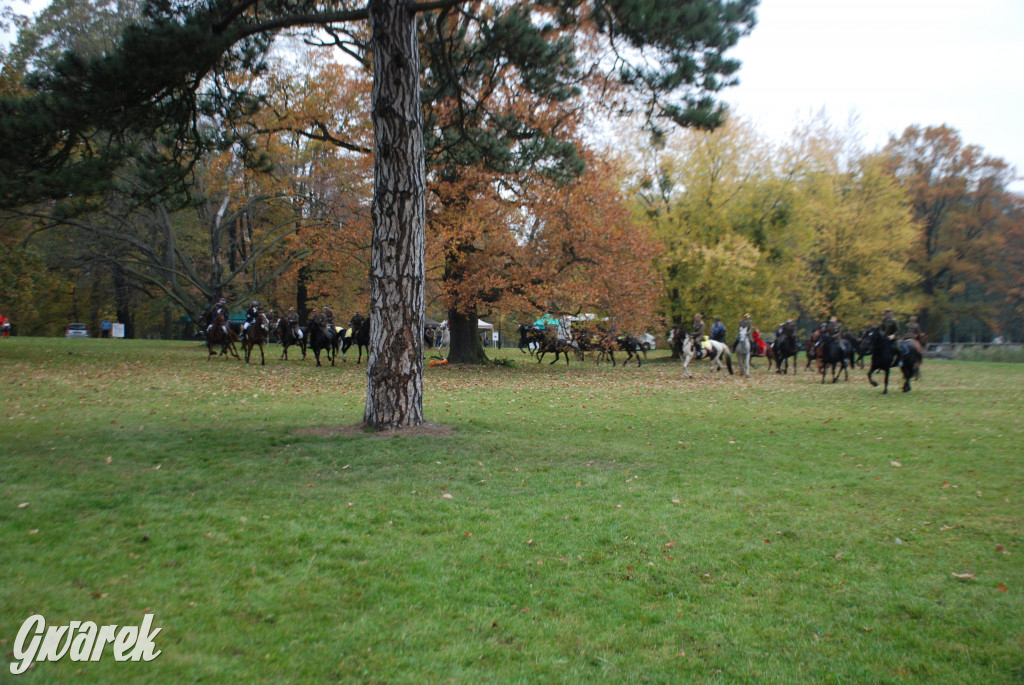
(564, 248)
(968, 217)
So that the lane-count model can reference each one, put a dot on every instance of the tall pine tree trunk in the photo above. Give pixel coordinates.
(394, 392)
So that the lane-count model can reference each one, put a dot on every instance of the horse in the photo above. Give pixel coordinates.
(911, 355)
(856, 353)
(784, 347)
(688, 351)
(550, 343)
(607, 344)
(321, 340)
(742, 350)
(529, 336)
(832, 352)
(218, 333)
(286, 335)
(811, 349)
(883, 357)
(360, 338)
(622, 343)
(254, 335)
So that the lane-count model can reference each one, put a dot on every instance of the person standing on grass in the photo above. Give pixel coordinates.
(5, 326)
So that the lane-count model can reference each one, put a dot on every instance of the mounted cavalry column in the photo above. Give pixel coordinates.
(394, 392)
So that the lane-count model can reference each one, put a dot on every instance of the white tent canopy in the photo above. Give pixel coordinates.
(480, 324)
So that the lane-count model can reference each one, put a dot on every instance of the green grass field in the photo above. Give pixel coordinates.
(554, 524)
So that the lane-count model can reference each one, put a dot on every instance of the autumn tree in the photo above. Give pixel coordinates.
(858, 228)
(718, 206)
(960, 197)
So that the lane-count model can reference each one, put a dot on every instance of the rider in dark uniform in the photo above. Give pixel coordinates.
(354, 323)
(834, 329)
(292, 317)
(221, 308)
(718, 331)
(913, 330)
(250, 316)
(890, 329)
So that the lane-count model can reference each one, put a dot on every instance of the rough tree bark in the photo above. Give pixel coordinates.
(394, 392)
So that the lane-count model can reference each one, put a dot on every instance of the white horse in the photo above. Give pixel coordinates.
(743, 350)
(712, 349)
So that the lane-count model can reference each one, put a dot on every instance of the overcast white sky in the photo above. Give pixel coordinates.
(891, 63)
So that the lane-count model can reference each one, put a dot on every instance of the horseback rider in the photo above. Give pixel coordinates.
(718, 331)
(787, 329)
(891, 330)
(329, 316)
(913, 331)
(354, 323)
(834, 328)
(250, 315)
(292, 317)
(744, 323)
(220, 308)
(317, 318)
(697, 334)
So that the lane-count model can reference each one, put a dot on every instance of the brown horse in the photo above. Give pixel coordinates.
(286, 334)
(219, 333)
(254, 335)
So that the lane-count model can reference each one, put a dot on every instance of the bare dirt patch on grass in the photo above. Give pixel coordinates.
(424, 430)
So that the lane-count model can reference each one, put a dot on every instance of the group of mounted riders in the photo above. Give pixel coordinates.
(598, 338)
(829, 345)
(320, 334)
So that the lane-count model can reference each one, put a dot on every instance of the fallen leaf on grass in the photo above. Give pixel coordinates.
(895, 463)
(1002, 588)
(964, 576)
(447, 495)
(23, 505)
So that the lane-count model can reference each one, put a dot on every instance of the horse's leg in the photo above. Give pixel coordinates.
(263, 361)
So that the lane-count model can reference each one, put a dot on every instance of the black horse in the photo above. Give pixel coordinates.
(286, 335)
(321, 340)
(530, 336)
(622, 343)
(360, 337)
(911, 355)
(834, 352)
(883, 356)
(784, 347)
(856, 349)
(551, 343)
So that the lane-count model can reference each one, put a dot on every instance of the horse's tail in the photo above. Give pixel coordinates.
(728, 362)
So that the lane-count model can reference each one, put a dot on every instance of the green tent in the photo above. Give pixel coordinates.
(546, 321)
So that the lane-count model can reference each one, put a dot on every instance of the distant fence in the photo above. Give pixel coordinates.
(945, 350)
